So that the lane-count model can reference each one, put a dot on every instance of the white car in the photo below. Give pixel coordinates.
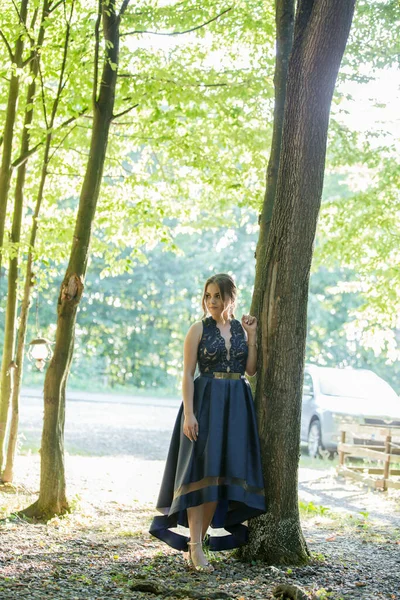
(332, 396)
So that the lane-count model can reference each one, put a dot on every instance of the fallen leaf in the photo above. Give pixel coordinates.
(330, 538)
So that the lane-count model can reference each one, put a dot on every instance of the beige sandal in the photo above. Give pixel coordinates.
(208, 568)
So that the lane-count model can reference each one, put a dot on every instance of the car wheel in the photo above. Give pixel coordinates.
(314, 439)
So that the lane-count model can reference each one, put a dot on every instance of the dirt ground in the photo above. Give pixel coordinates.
(102, 549)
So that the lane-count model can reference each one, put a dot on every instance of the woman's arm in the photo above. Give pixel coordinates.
(190, 346)
(249, 324)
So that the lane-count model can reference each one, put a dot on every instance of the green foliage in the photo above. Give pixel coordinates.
(309, 508)
(131, 327)
(359, 233)
(190, 150)
(185, 169)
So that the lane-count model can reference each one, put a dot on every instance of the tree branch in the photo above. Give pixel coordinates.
(123, 8)
(34, 52)
(10, 52)
(21, 159)
(194, 84)
(178, 32)
(34, 17)
(23, 23)
(61, 143)
(30, 58)
(72, 119)
(61, 81)
(24, 157)
(57, 4)
(43, 97)
(124, 112)
(59, 174)
(17, 11)
(96, 55)
(82, 176)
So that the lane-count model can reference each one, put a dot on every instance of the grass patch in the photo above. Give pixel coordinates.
(130, 533)
(325, 463)
(311, 509)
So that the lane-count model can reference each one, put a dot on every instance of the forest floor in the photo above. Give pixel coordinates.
(102, 549)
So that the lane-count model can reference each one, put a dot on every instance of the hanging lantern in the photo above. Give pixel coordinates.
(40, 351)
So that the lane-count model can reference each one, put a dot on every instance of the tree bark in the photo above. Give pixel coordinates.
(29, 277)
(8, 474)
(321, 32)
(52, 496)
(8, 134)
(12, 287)
(284, 20)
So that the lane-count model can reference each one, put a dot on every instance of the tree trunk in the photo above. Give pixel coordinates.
(320, 36)
(8, 474)
(23, 322)
(52, 496)
(29, 275)
(284, 19)
(8, 134)
(7, 363)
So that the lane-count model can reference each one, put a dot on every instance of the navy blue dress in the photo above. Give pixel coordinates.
(224, 463)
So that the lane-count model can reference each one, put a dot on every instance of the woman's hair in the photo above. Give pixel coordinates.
(227, 288)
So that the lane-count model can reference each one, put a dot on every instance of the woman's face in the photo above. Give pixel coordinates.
(215, 304)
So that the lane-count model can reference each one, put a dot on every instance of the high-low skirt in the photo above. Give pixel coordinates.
(223, 465)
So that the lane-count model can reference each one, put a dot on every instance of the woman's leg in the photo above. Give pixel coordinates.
(195, 518)
(208, 513)
(199, 518)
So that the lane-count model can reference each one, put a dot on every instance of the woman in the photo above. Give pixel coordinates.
(213, 471)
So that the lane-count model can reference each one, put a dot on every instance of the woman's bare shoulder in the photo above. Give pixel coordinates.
(195, 330)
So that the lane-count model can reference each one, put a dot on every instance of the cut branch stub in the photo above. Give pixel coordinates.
(71, 290)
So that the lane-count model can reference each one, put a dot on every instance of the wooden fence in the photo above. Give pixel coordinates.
(378, 444)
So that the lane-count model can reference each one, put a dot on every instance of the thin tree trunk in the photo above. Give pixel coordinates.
(8, 134)
(52, 496)
(321, 33)
(29, 276)
(8, 474)
(7, 363)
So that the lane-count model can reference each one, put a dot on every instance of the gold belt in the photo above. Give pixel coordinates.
(228, 376)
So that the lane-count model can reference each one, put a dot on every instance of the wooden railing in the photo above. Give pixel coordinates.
(380, 444)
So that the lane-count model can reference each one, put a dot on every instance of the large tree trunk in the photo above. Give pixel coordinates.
(8, 134)
(321, 31)
(284, 19)
(52, 496)
(7, 363)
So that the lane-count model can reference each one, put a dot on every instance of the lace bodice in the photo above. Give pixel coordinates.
(212, 355)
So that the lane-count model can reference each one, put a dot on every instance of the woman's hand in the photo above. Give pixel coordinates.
(191, 427)
(249, 324)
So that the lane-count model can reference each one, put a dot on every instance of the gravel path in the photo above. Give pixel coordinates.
(104, 425)
(102, 549)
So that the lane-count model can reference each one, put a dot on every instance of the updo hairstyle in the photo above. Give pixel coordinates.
(227, 289)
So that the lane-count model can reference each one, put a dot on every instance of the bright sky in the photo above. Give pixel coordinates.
(364, 114)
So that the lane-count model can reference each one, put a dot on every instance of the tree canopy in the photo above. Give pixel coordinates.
(186, 165)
